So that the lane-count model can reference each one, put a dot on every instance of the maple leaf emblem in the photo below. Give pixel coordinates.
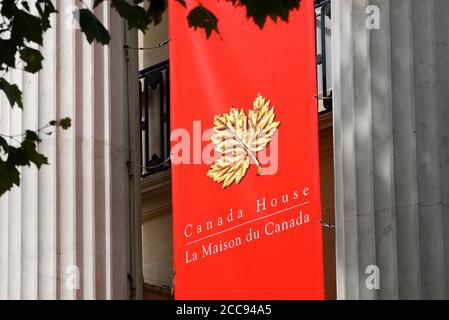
(238, 138)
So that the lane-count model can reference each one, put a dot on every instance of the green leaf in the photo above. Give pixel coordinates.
(135, 15)
(4, 145)
(200, 17)
(29, 148)
(8, 51)
(33, 59)
(97, 2)
(155, 11)
(92, 27)
(7, 8)
(182, 2)
(12, 92)
(259, 11)
(9, 176)
(65, 123)
(23, 155)
(32, 135)
(25, 5)
(26, 26)
(17, 156)
(45, 9)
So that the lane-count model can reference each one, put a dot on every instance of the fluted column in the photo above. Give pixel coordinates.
(71, 230)
(391, 131)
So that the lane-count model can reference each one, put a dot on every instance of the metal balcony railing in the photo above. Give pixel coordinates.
(323, 43)
(154, 85)
(155, 97)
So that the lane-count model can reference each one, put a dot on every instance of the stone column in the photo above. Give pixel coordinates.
(72, 230)
(391, 132)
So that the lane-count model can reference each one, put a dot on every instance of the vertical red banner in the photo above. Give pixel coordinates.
(245, 165)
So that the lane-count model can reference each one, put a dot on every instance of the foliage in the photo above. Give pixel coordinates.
(23, 152)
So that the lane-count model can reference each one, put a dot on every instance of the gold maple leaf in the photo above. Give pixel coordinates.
(238, 138)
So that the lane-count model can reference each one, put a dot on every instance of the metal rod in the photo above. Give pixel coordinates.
(323, 51)
(140, 122)
(167, 106)
(147, 121)
(162, 116)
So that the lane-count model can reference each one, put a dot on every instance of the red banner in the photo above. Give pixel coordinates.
(245, 165)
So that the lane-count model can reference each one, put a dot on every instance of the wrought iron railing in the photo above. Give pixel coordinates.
(154, 84)
(155, 97)
(322, 21)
